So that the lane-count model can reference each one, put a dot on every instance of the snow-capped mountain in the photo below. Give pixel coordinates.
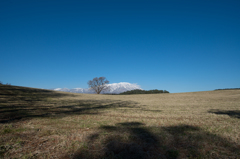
(115, 88)
(122, 87)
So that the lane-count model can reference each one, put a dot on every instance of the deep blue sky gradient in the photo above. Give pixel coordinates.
(180, 46)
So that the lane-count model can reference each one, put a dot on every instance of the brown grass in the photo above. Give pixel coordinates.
(37, 123)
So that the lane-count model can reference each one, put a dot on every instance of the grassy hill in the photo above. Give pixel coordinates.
(37, 123)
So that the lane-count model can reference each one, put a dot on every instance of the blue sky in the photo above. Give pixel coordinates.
(179, 46)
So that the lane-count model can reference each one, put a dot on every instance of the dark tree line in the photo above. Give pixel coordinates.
(227, 89)
(4, 84)
(139, 91)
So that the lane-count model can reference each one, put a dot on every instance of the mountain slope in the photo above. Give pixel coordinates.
(115, 88)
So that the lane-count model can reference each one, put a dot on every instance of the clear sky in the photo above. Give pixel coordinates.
(176, 45)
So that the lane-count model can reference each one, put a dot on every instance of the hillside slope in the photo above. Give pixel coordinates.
(36, 123)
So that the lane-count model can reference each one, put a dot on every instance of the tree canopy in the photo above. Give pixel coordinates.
(98, 84)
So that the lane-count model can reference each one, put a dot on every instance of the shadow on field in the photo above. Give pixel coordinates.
(24, 103)
(231, 113)
(134, 140)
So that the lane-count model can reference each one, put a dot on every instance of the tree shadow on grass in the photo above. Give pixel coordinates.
(24, 103)
(132, 140)
(231, 113)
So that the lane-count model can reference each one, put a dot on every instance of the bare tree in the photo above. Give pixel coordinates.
(98, 84)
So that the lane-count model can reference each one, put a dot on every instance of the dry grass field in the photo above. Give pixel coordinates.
(37, 123)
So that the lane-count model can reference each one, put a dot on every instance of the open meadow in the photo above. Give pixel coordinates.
(37, 123)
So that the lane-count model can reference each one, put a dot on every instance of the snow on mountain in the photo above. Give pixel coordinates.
(74, 90)
(57, 89)
(115, 88)
(62, 89)
(122, 87)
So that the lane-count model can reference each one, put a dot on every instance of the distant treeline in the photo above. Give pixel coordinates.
(139, 91)
(227, 89)
(4, 84)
